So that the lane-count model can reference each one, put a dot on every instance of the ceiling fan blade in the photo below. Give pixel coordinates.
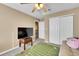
(34, 8)
(24, 3)
(45, 8)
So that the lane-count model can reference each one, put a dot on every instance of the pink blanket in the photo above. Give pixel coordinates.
(73, 43)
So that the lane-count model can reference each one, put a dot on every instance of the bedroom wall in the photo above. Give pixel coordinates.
(74, 11)
(10, 20)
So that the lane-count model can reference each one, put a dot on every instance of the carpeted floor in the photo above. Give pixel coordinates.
(20, 49)
(41, 49)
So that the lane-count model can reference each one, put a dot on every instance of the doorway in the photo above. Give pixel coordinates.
(36, 30)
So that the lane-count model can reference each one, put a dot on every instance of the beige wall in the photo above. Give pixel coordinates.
(76, 25)
(10, 20)
(46, 29)
(74, 11)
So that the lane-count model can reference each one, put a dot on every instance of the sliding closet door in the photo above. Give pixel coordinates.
(65, 28)
(60, 28)
(54, 30)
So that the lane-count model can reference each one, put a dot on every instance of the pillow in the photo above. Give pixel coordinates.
(70, 38)
(74, 43)
(76, 37)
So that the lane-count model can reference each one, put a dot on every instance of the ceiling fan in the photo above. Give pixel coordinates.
(38, 6)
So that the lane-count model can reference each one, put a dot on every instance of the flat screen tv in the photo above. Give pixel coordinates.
(24, 32)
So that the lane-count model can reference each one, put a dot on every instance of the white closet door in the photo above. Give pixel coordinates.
(42, 30)
(65, 28)
(54, 30)
(60, 28)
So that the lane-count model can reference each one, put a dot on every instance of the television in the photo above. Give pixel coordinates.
(24, 32)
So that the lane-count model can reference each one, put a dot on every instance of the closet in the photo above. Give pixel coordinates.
(60, 28)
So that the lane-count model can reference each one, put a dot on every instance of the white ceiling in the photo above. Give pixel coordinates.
(53, 7)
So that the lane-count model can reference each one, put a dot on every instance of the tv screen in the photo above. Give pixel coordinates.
(24, 32)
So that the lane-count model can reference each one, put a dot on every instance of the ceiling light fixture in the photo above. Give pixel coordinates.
(39, 5)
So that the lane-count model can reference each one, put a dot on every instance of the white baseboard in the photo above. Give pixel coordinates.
(8, 50)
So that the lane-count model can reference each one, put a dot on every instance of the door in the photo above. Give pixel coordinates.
(54, 30)
(65, 28)
(42, 30)
(60, 28)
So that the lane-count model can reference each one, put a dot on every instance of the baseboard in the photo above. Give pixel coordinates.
(8, 50)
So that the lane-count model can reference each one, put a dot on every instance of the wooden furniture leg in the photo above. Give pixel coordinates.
(19, 43)
(24, 46)
(31, 43)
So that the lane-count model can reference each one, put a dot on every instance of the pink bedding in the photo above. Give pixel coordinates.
(73, 43)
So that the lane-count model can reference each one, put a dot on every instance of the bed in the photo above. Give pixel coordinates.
(41, 49)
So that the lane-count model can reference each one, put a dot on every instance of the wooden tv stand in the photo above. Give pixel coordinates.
(25, 41)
